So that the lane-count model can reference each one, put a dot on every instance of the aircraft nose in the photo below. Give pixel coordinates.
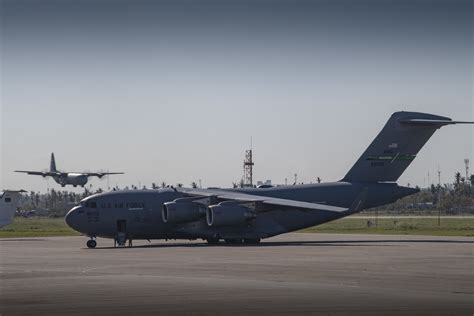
(72, 217)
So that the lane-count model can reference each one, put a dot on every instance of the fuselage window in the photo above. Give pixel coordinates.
(8, 200)
(93, 205)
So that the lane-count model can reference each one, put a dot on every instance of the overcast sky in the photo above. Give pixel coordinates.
(173, 90)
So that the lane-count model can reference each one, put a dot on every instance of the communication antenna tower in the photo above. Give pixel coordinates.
(248, 167)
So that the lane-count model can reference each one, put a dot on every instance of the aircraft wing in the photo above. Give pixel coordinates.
(99, 174)
(250, 198)
(37, 173)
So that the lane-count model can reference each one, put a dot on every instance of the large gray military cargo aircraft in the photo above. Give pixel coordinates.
(250, 214)
(67, 178)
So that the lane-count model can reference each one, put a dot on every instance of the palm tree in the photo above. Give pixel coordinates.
(457, 182)
(32, 198)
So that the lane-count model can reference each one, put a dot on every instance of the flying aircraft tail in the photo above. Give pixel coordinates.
(52, 165)
(395, 147)
(8, 203)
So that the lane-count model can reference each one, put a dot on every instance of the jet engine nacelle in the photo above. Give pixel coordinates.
(181, 211)
(227, 215)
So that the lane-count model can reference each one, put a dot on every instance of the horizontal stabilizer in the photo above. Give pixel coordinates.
(433, 122)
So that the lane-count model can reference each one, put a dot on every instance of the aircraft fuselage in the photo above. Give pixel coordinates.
(249, 215)
(73, 179)
(140, 212)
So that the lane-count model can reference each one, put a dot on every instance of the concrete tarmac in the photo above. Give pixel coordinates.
(292, 274)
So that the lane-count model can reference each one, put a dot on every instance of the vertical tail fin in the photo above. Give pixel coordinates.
(52, 165)
(395, 147)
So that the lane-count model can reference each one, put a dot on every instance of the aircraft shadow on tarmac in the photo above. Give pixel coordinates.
(333, 243)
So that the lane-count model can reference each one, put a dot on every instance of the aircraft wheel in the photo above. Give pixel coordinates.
(233, 241)
(212, 241)
(91, 243)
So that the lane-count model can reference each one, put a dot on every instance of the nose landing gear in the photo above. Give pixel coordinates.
(91, 243)
(213, 240)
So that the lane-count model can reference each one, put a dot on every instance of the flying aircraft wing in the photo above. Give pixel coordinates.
(37, 173)
(99, 174)
(250, 198)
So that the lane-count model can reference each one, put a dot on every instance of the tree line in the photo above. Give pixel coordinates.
(452, 198)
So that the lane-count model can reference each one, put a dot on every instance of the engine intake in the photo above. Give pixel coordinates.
(181, 211)
(227, 215)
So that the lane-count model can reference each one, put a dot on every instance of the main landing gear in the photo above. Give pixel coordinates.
(91, 243)
(239, 241)
(212, 241)
(251, 241)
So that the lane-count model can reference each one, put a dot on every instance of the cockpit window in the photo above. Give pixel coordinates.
(88, 204)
